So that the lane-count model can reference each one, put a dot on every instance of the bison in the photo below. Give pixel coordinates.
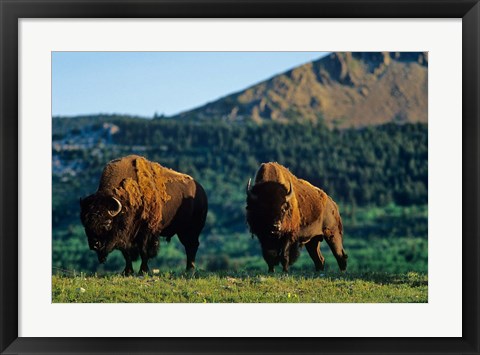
(285, 213)
(138, 201)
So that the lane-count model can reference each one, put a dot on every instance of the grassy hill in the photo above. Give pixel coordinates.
(243, 287)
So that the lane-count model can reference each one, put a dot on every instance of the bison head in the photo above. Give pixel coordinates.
(267, 205)
(98, 213)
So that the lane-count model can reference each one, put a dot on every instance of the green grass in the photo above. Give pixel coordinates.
(243, 287)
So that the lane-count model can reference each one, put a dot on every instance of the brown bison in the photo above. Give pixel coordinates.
(285, 213)
(136, 202)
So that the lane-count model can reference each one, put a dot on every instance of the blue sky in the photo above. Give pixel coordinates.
(142, 83)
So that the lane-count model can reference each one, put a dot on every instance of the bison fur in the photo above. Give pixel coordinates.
(286, 213)
(137, 202)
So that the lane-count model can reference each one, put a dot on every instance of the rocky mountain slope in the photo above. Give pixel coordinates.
(344, 89)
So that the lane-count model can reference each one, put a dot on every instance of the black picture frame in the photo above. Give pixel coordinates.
(12, 10)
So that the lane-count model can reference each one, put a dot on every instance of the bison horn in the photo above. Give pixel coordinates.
(290, 192)
(117, 211)
(249, 191)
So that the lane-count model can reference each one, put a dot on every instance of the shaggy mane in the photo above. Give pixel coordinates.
(275, 172)
(148, 189)
(308, 200)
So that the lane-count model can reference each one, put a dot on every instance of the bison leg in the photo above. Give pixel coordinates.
(128, 264)
(285, 264)
(271, 258)
(148, 250)
(294, 253)
(313, 248)
(285, 256)
(335, 243)
(190, 242)
(144, 266)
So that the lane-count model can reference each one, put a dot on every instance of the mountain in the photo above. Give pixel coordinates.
(344, 89)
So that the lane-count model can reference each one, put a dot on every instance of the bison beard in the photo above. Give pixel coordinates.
(136, 202)
(286, 213)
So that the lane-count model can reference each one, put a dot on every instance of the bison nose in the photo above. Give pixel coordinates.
(96, 245)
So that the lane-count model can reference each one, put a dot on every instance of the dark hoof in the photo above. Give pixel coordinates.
(191, 272)
(342, 263)
(127, 272)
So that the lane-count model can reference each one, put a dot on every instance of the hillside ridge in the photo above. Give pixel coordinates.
(343, 89)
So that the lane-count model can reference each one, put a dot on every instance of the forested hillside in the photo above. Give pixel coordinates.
(377, 174)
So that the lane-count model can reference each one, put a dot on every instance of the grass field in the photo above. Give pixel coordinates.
(242, 287)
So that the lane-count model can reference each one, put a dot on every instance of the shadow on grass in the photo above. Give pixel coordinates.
(412, 279)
